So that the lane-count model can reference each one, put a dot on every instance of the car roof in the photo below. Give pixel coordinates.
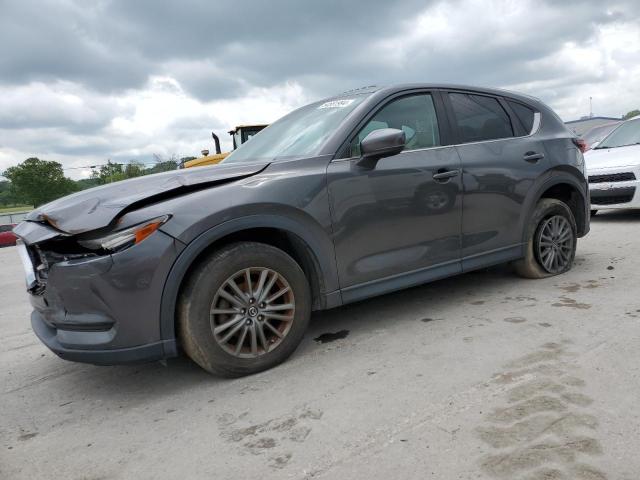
(391, 89)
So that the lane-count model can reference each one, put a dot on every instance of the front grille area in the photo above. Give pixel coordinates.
(612, 200)
(612, 196)
(612, 177)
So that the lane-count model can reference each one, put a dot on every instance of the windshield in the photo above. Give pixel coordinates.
(298, 134)
(626, 134)
(596, 134)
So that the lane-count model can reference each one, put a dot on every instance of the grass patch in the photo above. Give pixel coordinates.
(23, 208)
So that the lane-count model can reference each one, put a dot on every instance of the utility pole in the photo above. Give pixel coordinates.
(590, 107)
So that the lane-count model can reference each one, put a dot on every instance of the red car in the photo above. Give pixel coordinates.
(7, 237)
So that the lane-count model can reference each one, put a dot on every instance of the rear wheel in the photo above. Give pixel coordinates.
(244, 309)
(552, 241)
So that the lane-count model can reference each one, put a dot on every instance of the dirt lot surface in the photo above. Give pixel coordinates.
(483, 376)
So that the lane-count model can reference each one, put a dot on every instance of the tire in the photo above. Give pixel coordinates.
(531, 266)
(593, 213)
(206, 291)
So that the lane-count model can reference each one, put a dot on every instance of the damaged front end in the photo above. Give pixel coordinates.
(96, 295)
(97, 261)
(41, 246)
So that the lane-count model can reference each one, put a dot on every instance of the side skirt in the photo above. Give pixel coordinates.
(430, 274)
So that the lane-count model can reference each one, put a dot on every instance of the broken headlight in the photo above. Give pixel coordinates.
(124, 238)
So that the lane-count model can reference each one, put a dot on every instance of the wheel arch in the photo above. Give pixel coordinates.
(312, 250)
(565, 187)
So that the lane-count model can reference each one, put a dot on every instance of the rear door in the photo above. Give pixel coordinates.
(500, 161)
(401, 216)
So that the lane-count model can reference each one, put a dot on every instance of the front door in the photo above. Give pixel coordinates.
(395, 220)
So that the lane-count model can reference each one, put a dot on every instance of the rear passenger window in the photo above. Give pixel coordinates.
(524, 114)
(480, 118)
(414, 115)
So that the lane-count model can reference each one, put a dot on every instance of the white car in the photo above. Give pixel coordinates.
(613, 167)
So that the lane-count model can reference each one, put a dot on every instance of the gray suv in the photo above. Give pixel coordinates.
(358, 195)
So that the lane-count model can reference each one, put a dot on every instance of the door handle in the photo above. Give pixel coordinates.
(444, 175)
(533, 157)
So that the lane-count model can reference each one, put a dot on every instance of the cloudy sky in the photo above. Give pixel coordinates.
(82, 81)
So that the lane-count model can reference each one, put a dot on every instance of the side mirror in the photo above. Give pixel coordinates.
(381, 143)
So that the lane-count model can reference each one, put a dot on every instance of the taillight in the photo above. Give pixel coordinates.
(581, 144)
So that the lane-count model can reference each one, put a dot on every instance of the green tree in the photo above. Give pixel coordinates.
(36, 181)
(111, 172)
(114, 172)
(6, 194)
(85, 183)
(163, 166)
(134, 169)
(631, 114)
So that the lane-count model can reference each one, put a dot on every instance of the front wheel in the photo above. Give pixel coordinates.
(243, 309)
(551, 241)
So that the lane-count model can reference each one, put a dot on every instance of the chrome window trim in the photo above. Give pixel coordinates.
(537, 123)
(437, 147)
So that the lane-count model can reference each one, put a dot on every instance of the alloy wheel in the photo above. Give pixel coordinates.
(252, 312)
(555, 244)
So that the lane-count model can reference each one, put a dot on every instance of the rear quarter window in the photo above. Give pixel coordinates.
(525, 115)
(480, 118)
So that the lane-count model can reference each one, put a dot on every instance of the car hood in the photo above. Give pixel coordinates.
(612, 157)
(98, 207)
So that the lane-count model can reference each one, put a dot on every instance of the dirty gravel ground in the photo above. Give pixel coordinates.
(482, 376)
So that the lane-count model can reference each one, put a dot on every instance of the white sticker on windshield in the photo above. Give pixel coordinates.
(336, 103)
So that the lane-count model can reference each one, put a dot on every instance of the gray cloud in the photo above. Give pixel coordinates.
(49, 41)
(216, 49)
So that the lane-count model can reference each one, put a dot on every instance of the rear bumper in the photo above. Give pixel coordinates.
(141, 353)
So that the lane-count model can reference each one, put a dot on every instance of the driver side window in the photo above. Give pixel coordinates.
(414, 115)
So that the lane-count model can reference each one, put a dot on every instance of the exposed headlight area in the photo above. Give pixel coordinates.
(43, 255)
(125, 238)
(66, 248)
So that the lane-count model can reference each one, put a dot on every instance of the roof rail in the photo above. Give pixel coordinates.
(361, 89)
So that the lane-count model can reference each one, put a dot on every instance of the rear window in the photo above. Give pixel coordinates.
(524, 114)
(5, 228)
(480, 118)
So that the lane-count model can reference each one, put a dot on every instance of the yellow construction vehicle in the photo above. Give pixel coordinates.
(240, 135)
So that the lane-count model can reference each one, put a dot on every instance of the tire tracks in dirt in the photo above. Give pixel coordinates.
(544, 429)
